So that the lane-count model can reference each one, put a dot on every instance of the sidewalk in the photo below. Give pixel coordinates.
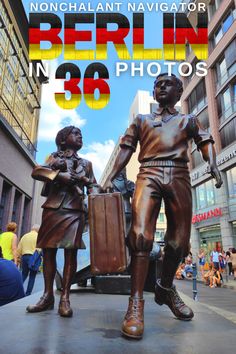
(95, 328)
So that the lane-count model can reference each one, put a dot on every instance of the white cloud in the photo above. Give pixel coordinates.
(52, 117)
(99, 154)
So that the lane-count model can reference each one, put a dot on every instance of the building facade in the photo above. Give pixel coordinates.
(213, 100)
(19, 115)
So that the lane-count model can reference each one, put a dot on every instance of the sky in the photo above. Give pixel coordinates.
(100, 128)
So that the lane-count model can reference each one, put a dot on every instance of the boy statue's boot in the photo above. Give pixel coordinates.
(133, 324)
(165, 291)
(171, 298)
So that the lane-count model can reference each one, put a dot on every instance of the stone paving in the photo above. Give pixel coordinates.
(95, 326)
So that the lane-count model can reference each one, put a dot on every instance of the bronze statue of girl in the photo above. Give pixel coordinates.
(65, 175)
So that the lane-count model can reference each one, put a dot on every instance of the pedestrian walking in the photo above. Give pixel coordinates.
(202, 261)
(233, 257)
(229, 260)
(8, 242)
(25, 251)
(215, 258)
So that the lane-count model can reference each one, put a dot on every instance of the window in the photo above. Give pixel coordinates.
(204, 119)
(226, 99)
(161, 217)
(159, 235)
(226, 67)
(227, 22)
(16, 207)
(25, 218)
(226, 102)
(153, 107)
(230, 57)
(197, 99)
(8, 85)
(218, 35)
(212, 8)
(201, 200)
(231, 180)
(228, 133)
(4, 203)
(196, 158)
(223, 28)
(223, 68)
(205, 195)
(210, 197)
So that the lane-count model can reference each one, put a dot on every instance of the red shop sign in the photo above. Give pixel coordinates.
(207, 215)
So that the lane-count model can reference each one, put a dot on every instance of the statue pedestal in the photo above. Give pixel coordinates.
(113, 284)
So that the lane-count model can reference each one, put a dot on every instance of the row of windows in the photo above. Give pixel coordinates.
(226, 67)
(17, 90)
(205, 193)
(21, 206)
(226, 101)
(223, 27)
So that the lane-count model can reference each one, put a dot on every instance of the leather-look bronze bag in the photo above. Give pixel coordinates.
(107, 233)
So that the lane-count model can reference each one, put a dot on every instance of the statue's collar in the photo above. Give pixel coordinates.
(161, 110)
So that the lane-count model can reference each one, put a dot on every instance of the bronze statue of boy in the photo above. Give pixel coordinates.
(163, 138)
(65, 175)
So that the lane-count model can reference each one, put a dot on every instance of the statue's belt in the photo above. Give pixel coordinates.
(164, 163)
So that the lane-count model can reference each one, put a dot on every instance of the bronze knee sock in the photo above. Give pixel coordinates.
(49, 269)
(139, 269)
(69, 271)
(170, 265)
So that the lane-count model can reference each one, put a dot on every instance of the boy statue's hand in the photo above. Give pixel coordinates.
(214, 171)
(108, 186)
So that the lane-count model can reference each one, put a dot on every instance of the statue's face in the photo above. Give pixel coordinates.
(166, 91)
(74, 139)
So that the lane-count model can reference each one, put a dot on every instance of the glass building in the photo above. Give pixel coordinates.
(213, 100)
(19, 115)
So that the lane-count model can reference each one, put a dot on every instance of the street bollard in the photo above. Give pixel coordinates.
(195, 282)
(226, 272)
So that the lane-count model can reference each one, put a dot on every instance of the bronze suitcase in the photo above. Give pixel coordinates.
(107, 233)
